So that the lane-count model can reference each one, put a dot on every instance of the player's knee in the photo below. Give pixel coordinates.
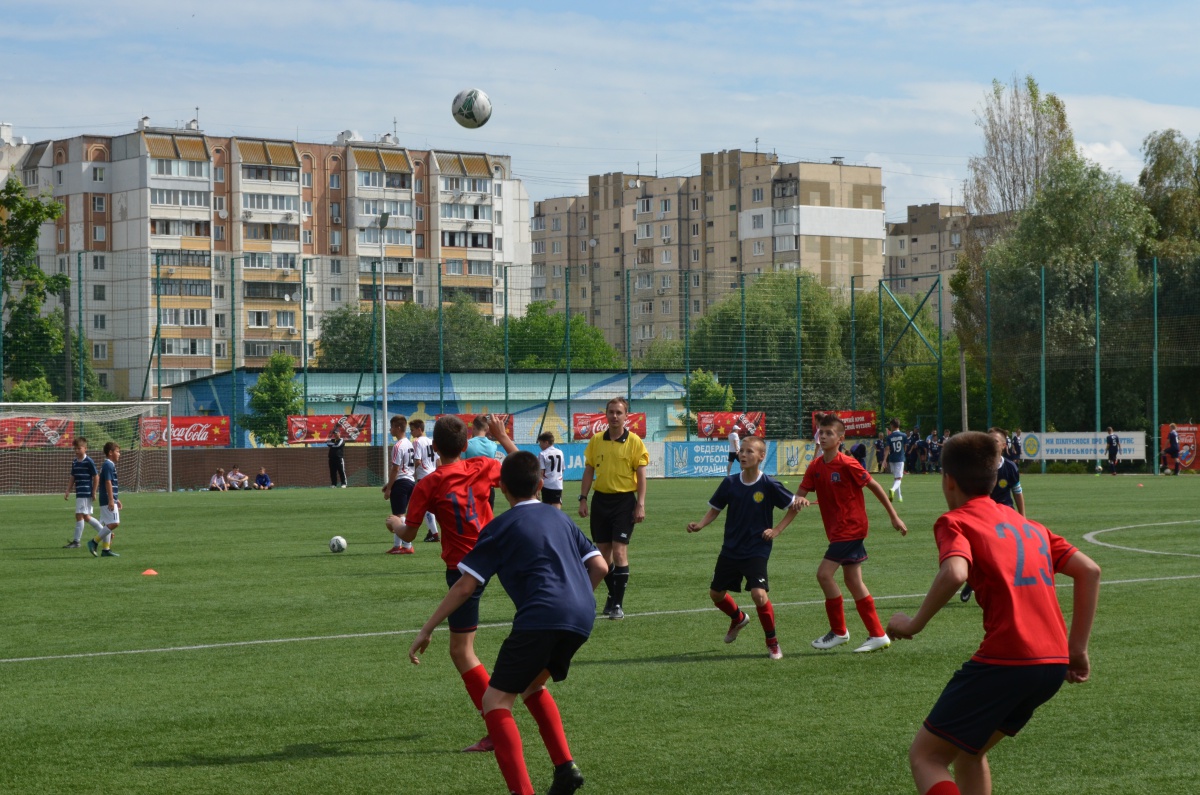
(716, 596)
(759, 596)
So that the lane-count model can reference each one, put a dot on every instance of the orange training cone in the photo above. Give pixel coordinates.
(149, 573)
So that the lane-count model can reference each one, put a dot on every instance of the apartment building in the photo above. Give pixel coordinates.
(234, 248)
(668, 248)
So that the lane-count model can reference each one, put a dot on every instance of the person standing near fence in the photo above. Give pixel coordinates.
(734, 446)
(337, 459)
(1112, 444)
(85, 480)
(897, 442)
(1172, 451)
(616, 460)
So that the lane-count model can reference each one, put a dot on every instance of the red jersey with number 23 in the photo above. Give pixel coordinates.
(1013, 562)
(839, 486)
(457, 495)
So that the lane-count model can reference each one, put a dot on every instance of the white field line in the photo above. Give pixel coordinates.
(401, 632)
(1091, 538)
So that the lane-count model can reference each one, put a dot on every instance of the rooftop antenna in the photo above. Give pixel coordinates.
(756, 144)
(197, 117)
(394, 132)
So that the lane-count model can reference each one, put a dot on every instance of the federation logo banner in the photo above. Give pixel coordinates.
(588, 425)
(858, 423)
(1188, 437)
(507, 419)
(317, 428)
(36, 432)
(185, 431)
(718, 424)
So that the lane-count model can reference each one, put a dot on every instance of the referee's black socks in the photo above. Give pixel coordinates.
(620, 581)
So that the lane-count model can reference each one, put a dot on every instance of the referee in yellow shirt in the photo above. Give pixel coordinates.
(616, 461)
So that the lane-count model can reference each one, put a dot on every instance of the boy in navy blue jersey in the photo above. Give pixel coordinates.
(85, 480)
(550, 570)
(897, 442)
(752, 498)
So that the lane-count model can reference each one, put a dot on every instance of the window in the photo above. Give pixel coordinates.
(695, 255)
(220, 350)
(219, 320)
(645, 231)
(286, 319)
(335, 181)
(537, 223)
(335, 239)
(695, 205)
(901, 244)
(903, 263)
(98, 234)
(539, 247)
(98, 292)
(556, 224)
(785, 216)
(583, 246)
(647, 308)
(97, 174)
(420, 213)
(219, 232)
(454, 267)
(181, 198)
(556, 247)
(666, 230)
(583, 292)
(218, 291)
(664, 205)
(582, 222)
(98, 263)
(99, 350)
(306, 180)
(102, 379)
(418, 187)
(477, 267)
(219, 174)
(558, 271)
(257, 319)
(756, 221)
(97, 204)
(695, 280)
(665, 281)
(695, 230)
(643, 205)
(756, 195)
(666, 256)
(195, 317)
(956, 238)
(335, 266)
(420, 240)
(760, 248)
(306, 208)
(665, 306)
(183, 168)
(58, 175)
(305, 237)
(99, 322)
(696, 306)
(785, 243)
(954, 259)
(335, 294)
(645, 281)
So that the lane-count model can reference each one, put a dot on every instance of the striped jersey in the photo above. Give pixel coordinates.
(108, 472)
(83, 470)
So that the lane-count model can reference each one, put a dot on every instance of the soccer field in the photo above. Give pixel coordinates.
(256, 661)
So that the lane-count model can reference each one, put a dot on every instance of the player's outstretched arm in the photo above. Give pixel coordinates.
(881, 495)
(499, 433)
(455, 598)
(950, 577)
(799, 500)
(1086, 574)
(695, 527)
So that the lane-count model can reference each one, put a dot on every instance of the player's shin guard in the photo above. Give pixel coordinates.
(837, 616)
(728, 606)
(866, 611)
(766, 617)
(943, 788)
(78, 531)
(620, 583)
(476, 681)
(543, 709)
(509, 754)
(97, 525)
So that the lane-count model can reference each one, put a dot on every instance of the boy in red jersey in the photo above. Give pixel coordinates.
(456, 493)
(839, 481)
(1026, 653)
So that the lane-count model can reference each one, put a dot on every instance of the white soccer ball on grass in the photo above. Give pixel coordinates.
(337, 544)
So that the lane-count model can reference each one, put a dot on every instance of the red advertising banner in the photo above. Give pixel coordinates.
(858, 423)
(1189, 436)
(185, 431)
(718, 424)
(316, 428)
(36, 432)
(588, 425)
(507, 419)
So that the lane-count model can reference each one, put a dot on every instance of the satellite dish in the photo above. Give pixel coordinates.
(222, 214)
(637, 183)
(287, 297)
(593, 242)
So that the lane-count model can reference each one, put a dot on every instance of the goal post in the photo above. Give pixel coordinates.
(36, 443)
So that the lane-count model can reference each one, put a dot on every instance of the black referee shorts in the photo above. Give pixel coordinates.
(612, 517)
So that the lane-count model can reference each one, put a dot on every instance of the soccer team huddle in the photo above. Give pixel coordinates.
(550, 570)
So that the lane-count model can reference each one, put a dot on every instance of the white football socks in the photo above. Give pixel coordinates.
(78, 530)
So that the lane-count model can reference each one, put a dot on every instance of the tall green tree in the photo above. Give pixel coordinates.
(24, 286)
(1170, 184)
(35, 390)
(536, 342)
(275, 395)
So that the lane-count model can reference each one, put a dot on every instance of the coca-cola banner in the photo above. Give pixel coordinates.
(185, 431)
(588, 425)
(858, 423)
(36, 432)
(316, 428)
(718, 424)
(507, 419)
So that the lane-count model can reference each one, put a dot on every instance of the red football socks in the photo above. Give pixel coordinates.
(866, 611)
(509, 754)
(476, 681)
(543, 709)
(766, 617)
(942, 787)
(728, 607)
(837, 616)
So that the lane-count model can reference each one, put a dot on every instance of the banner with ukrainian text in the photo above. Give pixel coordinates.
(718, 424)
(1083, 446)
(36, 432)
(859, 424)
(316, 428)
(1189, 435)
(185, 431)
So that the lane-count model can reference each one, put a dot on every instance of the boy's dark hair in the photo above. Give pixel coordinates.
(400, 421)
(894, 424)
(832, 421)
(999, 430)
(79, 440)
(546, 436)
(520, 474)
(417, 425)
(449, 436)
(480, 423)
(970, 458)
(109, 447)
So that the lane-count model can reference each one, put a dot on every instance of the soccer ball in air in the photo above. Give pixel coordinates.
(471, 108)
(337, 544)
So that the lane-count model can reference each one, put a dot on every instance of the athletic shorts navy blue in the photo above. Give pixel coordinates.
(524, 655)
(612, 517)
(466, 617)
(847, 552)
(401, 491)
(983, 699)
(730, 572)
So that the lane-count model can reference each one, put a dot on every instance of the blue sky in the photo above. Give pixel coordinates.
(589, 88)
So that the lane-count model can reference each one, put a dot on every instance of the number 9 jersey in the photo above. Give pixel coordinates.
(1012, 566)
(457, 495)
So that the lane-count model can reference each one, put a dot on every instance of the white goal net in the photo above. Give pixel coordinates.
(36, 444)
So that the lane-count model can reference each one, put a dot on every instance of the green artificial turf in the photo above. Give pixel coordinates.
(297, 678)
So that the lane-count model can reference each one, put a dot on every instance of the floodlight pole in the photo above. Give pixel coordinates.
(233, 324)
(304, 328)
(383, 219)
